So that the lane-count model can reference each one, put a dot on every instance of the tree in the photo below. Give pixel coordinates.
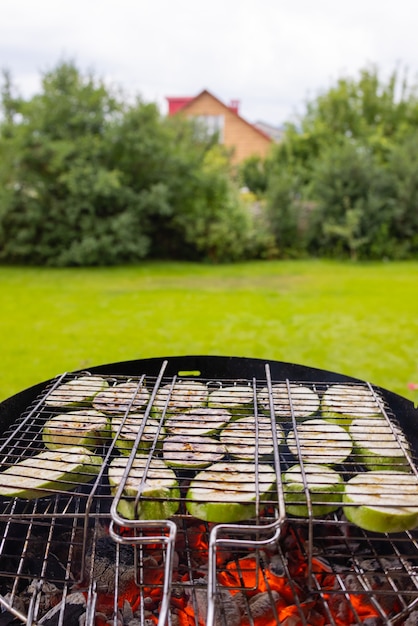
(403, 194)
(340, 160)
(254, 175)
(88, 179)
(367, 109)
(56, 174)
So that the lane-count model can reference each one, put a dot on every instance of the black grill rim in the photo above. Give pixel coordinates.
(220, 367)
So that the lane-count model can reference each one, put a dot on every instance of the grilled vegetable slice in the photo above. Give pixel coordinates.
(237, 399)
(244, 442)
(192, 451)
(302, 400)
(130, 427)
(157, 487)
(52, 470)
(342, 403)
(185, 394)
(325, 487)
(378, 444)
(122, 398)
(227, 492)
(320, 442)
(88, 429)
(384, 502)
(77, 392)
(202, 421)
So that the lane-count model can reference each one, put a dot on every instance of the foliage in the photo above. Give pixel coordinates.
(286, 219)
(88, 179)
(350, 160)
(368, 109)
(403, 167)
(253, 174)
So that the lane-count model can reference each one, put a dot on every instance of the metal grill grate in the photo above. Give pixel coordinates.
(202, 564)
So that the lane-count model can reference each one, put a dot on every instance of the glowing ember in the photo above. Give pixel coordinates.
(279, 584)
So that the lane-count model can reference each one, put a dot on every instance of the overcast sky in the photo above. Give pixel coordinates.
(271, 55)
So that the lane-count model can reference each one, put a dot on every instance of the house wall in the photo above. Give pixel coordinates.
(242, 137)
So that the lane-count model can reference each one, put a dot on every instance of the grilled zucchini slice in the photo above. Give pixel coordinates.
(48, 472)
(301, 399)
(383, 502)
(243, 441)
(377, 444)
(325, 487)
(341, 404)
(157, 487)
(320, 442)
(88, 429)
(192, 452)
(78, 392)
(227, 492)
(129, 429)
(237, 399)
(201, 421)
(122, 398)
(182, 396)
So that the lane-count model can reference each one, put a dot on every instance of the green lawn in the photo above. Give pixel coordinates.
(357, 319)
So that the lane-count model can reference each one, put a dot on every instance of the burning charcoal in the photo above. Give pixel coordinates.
(7, 618)
(229, 614)
(378, 572)
(241, 602)
(74, 608)
(127, 612)
(148, 602)
(262, 607)
(175, 619)
(321, 564)
(101, 565)
(148, 621)
(277, 566)
(101, 618)
(412, 619)
(356, 601)
(49, 597)
(385, 574)
(15, 602)
(340, 608)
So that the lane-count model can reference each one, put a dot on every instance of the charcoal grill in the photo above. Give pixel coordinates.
(71, 552)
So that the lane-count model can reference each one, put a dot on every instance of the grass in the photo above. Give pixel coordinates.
(357, 319)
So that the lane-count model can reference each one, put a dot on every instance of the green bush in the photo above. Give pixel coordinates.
(86, 179)
(287, 214)
(89, 179)
(253, 174)
(403, 166)
(343, 181)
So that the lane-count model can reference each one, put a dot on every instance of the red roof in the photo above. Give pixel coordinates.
(175, 104)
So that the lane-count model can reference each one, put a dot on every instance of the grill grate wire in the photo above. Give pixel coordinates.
(37, 525)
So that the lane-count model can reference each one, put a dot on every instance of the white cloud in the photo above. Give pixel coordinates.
(270, 54)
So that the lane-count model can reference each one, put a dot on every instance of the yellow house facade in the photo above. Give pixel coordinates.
(238, 135)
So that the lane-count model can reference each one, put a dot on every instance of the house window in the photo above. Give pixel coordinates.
(210, 125)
